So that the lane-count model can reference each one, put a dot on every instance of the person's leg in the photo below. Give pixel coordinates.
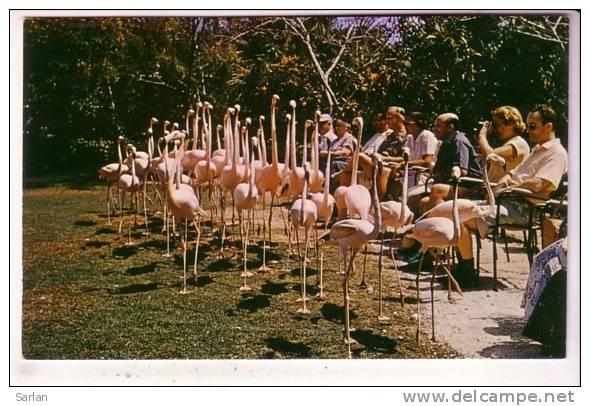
(439, 193)
(382, 182)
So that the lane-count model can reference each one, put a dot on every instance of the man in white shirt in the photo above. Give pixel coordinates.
(423, 145)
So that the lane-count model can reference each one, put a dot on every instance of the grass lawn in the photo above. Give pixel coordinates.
(88, 296)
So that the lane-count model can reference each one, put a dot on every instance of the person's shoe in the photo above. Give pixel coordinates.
(413, 262)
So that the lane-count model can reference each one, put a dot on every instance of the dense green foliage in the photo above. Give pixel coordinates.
(88, 80)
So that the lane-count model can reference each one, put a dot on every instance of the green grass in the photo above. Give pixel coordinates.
(88, 296)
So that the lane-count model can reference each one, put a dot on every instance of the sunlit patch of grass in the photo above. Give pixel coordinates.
(86, 295)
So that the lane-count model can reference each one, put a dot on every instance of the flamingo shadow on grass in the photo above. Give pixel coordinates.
(221, 265)
(94, 244)
(335, 313)
(84, 223)
(134, 288)
(203, 280)
(254, 303)
(374, 342)
(104, 230)
(141, 270)
(272, 288)
(125, 252)
(286, 348)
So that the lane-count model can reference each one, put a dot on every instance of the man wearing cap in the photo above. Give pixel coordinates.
(343, 142)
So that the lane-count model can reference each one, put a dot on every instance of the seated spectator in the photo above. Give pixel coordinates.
(390, 151)
(423, 147)
(381, 126)
(343, 144)
(508, 126)
(540, 173)
(455, 150)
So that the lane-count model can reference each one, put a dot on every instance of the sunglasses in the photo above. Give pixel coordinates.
(531, 126)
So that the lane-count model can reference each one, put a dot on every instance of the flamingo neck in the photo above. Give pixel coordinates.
(293, 143)
(273, 136)
(404, 193)
(376, 205)
(327, 183)
(120, 168)
(252, 178)
(491, 197)
(304, 147)
(456, 223)
(204, 129)
(287, 149)
(195, 129)
(303, 198)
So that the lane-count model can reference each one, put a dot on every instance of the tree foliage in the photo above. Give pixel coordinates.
(88, 80)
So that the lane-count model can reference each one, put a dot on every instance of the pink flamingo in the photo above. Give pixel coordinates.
(194, 155)
(297, 173)
(439, 233)
(395, 216)
(304, 214)
(183, 204)
(269, 181)
(354, 200)
(316, 178)
(111, 174)
(129, 183)
(354, 234)
(245, 198)
(325, 207)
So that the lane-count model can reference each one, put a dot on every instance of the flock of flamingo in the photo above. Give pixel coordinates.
(241, 169)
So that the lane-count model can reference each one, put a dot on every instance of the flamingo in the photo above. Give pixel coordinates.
(316, 178)
(439, 233)
(194, 155)
(245, 198)
(269, 181)
(395, 215)
(354, 199)
(468, 209)
(304, 214)
(129, 183)
(111, 174)
(297, 173)
(354, 234)
(325, 207)
(183, 204)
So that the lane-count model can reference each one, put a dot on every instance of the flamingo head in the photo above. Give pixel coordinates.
(153, 121)
(406, 153)
(317, 114)
(456, 173)
(175, 126)
(288, 117)
(231, 111)
(219, 127)
(495, 158)
(261, 120)
(166, 124)
(274, 100)
(120, 139)
(292, 103)
(238, 108)
(190, 112)
(208, 106)
(254, 141)
(358, 121)
(199, 104)
(248, 121)
(308, 123)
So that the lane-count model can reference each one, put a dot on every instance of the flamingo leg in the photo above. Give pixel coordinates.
(304, 309)
(263, 268)
(244, 238)
(381, 317)
(122, 199)
(183, 241)
(362, 284)
(347, 339)
(287, 269)
(167, 226)
(399, 281)
(109, 197)
(418, 298)
(432, 291)
(198, 231)
(147, 230)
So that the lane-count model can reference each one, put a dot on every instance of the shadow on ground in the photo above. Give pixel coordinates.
(287, 348)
